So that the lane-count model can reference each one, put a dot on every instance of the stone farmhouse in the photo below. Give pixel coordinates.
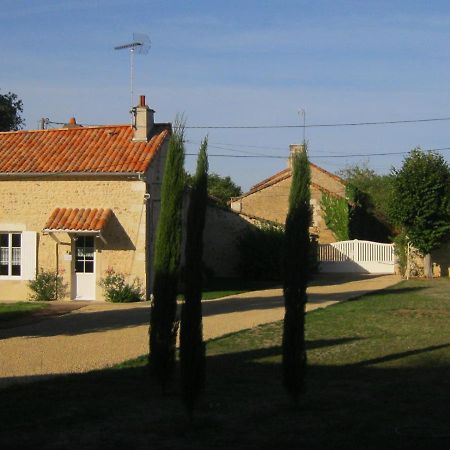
(79, 200)
(268, 200)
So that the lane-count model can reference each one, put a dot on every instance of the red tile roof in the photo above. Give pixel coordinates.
(74, 219)
(99, 149)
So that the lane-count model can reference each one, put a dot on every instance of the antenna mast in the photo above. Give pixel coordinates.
(302, 112)
(141, 44)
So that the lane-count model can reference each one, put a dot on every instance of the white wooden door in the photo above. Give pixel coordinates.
(84, 276)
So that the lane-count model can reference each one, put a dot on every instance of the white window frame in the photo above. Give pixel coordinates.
(28, 253)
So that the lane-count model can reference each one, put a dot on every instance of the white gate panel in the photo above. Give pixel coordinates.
(357, 257)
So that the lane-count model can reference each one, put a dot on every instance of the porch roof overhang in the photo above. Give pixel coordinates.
(78, 221)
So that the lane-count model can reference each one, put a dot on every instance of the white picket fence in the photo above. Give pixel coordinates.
(357, 257)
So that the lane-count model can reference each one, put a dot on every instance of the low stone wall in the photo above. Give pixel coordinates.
(221, 240)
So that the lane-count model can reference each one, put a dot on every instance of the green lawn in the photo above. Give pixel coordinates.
(378, 378)
(12, 311)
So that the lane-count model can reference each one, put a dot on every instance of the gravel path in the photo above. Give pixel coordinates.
(102, 334)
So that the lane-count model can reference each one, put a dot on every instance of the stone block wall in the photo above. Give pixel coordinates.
(26, 205)
(221, 240)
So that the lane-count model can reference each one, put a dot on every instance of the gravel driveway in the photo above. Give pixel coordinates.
(103, 334)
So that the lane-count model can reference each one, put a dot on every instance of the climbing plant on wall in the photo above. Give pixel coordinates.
(336, 216)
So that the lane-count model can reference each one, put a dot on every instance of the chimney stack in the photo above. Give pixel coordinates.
(143, 121)
(295, 149)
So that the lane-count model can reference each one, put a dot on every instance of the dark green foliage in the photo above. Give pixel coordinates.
(363, 223)
(296, 274)
(221, 188)
(47, 286)
(260, 251)
(163, 324)
(353, 217)
(192, 347)
(10, 109)
(376, 188)
(336, 216)
(117, 290)
(421, 199)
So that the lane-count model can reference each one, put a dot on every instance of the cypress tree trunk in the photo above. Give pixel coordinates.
(296, 275)
(192, 348)
(163, 324)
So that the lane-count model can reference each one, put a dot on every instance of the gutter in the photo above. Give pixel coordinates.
(131, 175)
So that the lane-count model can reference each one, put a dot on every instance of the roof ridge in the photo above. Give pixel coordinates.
(87, 127)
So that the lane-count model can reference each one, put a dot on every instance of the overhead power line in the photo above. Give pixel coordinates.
(318, 125)
(354, 155)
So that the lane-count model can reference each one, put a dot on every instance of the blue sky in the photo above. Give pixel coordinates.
(241, 63)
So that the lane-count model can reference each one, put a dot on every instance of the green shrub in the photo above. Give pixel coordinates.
(117, 290)
(260, 253)
(47, 286)
(260, 250)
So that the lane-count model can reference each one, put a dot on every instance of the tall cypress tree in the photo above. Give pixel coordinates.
(163, 325)
(295, 275)
(192, 347)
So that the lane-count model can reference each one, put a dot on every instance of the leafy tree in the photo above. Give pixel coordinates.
(296, 272)
(222, 188)
(192, 347)
(10, 108)
(374, 189)
(421, 201)
(163, 324)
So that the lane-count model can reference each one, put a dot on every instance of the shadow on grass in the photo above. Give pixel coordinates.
(245, 406)
(388, 292)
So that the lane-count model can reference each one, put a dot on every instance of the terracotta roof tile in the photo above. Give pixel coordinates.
(100, 149)
(74, 219)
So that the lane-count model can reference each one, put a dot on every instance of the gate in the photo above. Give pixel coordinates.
(356, 257)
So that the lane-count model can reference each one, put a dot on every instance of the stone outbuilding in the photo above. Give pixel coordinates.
(268, 200)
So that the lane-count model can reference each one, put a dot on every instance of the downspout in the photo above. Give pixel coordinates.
(57, 269)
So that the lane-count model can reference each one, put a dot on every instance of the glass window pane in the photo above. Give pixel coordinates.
(4, 240)
(3, 269)
(15, 270)
(89, 267)
(16, 238)
(16, 256)
(4, 255)
(79, 266)
(89, 241)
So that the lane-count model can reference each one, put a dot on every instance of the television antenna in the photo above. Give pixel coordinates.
(140, 45)
(302, 112)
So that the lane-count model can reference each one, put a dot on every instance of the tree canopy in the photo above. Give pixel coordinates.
(377, 188)
(222, 188)
(421, 199)
(10, 109)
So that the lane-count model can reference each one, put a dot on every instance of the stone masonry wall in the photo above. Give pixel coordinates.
(221, 240)
(271, 203)
(26, 205)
